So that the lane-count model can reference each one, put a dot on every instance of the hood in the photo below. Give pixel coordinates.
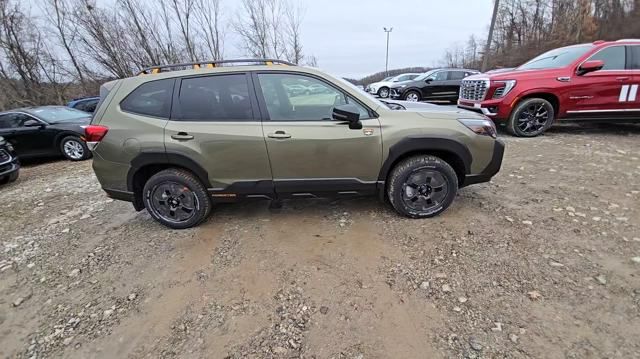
(516, 74)
(381, 83)
(79, 121)
(429, 107)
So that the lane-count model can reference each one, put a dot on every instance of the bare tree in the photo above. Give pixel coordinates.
(207, 15)
(294, 15)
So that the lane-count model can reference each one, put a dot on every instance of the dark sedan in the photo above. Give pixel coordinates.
(46, 131)
(9, 165)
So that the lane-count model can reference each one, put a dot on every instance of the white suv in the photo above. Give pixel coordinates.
(382, 88)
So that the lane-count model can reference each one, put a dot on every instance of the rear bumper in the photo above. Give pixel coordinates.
(492, 168)
(119, 195)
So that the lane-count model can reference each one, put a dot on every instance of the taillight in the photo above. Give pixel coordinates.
(95, 133)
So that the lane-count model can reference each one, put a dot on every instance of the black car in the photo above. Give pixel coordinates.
(434, 85)
(46, 131)
(9, 165)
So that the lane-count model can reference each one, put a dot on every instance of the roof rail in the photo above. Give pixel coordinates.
(210, 64)
(629, 40)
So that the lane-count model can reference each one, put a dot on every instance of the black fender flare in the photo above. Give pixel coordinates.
(165, 158)
(419, 143)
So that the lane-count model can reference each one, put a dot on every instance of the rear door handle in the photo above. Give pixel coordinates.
(279, 134)
(622, 78)
(182, 136)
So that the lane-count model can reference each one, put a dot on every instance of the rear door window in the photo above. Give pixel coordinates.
(456, 75)
(613, 57)
(150, 99)
(215, 98)
(11, 120)
(634, 57)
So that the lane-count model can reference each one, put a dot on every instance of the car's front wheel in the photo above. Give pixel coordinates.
(74, 149)
(412, 96)
(422, 186)
(9, 178)
(176, 198)
(531, 117)
(383, 92)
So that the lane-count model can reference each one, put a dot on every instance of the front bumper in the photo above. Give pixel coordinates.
(395, 93)
(492, 168)
(9, 166)
(496, 109)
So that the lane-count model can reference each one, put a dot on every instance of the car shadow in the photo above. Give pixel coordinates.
(30, 162)
(591, 127)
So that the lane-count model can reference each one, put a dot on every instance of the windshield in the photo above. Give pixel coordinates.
(59, 114)
(556, 58)
(424, 75)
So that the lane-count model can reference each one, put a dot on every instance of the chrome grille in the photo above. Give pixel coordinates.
(4, 156)
(474, 90)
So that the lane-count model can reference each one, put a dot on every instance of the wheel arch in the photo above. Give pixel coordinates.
(146, 164)
(450, 150)
(543, 94)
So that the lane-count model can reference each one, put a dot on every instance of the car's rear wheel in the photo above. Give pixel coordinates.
(74, 149)
(176, 198)
(383, 92)
(422, 186)
(531, 117)
(412, 96)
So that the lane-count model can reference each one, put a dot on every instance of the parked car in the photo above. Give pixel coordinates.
(174, 143)
(436, 84)
(382, 88)
(86, 104)
(46, 131)
(9, 164)
(596, 81)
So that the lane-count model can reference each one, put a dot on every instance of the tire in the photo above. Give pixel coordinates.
(169, 193)
(383, 92)
(10, 178)
(526, 119)
(412, 96)
(74, 149)
(437, 173)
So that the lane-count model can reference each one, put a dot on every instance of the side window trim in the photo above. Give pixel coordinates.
(175, 103)
(626, 57)
(262, 104)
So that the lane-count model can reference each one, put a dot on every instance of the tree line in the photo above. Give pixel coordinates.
(526, 28)
(54, 50)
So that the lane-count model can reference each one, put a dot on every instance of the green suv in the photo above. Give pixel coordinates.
(179, 138)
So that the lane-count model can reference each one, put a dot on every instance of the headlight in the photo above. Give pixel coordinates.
(504, 86)
(480, 126)
(9, 147)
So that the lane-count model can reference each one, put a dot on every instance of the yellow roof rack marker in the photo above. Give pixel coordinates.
(196, 66)
(268, 63)
(155, 71)
(210, 66)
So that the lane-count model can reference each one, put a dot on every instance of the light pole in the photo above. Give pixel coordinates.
(386, 65)
(487, 46)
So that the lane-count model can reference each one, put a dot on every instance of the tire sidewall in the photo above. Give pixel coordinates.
(512, 125)
(202, 203)
(380, 91)
(406, 95)
(86, 153)
(402, 171)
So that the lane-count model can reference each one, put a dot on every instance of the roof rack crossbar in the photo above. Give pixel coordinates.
(210, 64)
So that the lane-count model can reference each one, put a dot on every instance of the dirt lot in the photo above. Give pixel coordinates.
(544, 261)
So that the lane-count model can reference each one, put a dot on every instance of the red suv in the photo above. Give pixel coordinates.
(597, 81)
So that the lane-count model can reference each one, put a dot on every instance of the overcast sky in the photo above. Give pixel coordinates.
(347, 37)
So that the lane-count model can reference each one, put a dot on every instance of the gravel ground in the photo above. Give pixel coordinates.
(544, 261)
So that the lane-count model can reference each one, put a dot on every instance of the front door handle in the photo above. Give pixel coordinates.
(182, 136)
(279, 135)
(622, 78)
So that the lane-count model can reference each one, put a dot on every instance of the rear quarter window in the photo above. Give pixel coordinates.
(150, 99)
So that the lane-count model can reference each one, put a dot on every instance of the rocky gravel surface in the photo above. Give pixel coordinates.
(544, 261)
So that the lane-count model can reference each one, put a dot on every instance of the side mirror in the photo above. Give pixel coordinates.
(428, 80)
(347, 113)
(590, 66)
(32, 123)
